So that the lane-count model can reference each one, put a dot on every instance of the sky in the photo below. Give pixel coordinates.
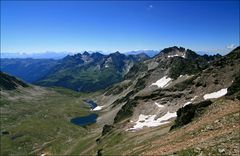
(72, 26)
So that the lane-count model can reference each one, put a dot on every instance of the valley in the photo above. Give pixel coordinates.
(36, 120)
(120, 78)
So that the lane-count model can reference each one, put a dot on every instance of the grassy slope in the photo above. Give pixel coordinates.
(42, 124)
(89, 79)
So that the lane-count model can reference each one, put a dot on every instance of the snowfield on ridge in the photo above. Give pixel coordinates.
(216, 94)
(150, 121)
(163, 82)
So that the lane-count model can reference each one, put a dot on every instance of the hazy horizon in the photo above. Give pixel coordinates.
(213, 52)
(108, 26)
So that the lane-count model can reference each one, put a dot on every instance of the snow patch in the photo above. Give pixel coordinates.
(184, 55)
(216, 94)
(187, 103)
(160, 106)
(150, 121)
(163, 82)
(186, 76)
(180, 55)
(97, 108)
(167, 116)
(192, 99)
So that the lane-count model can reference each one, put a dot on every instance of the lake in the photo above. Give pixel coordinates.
(85, 120)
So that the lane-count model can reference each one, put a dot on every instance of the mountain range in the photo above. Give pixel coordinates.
(90, 72)
(45, 55)
(81, 72)
(176, 103)
(60, 55)
(150, 53)
(27, 69)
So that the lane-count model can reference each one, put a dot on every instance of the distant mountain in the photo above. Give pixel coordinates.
(150, 53)
(29, 70)
(45, 55)
(90, 72)
(8, 82)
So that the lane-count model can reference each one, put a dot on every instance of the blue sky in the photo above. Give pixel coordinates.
(123, 25)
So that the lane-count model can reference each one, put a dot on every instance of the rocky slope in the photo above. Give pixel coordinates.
(155, 90)
(169, 79)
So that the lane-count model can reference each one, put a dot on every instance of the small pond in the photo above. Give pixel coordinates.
(91, 103)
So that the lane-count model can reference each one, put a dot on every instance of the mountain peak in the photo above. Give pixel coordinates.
(78, 55)
(116, 53)
(86, 53)
(173, 51)
(142, 55)
(97, 53)
(178, 52)
(97, 56)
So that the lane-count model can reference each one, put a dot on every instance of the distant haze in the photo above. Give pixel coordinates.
(60, 55)
(45, 55)
(38, 26)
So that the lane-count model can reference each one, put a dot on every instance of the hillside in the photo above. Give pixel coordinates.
(153, 94)
(8, 82)
(27, 69)
(36, 119)
(172, 77)
(90, 72)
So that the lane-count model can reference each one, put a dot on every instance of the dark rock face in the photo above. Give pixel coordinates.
(186, 114)
(5, 133)
(234, 89)
(8, 82)
(126, 111)
(106, 129)
(99, 152)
